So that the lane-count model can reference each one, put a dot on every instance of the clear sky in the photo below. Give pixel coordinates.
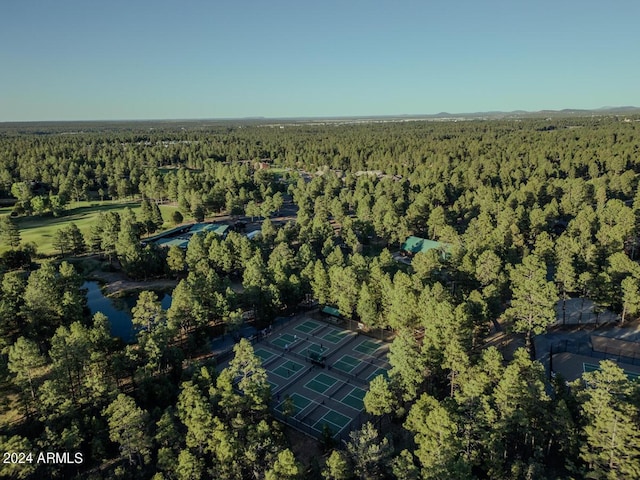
(157, 59)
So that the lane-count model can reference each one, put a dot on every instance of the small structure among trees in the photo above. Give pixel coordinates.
(414, 245)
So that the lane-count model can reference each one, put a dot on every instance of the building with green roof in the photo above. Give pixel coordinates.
(414, 245)
(218, 229)
(331, 311)
(170, 242)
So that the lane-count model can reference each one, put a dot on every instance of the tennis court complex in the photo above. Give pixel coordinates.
(321, 383)
(354, 398)
(589, 367)
(333, 420)
(285, 340)
(298, 402)
(313, 350)
(288, 368)
(307, 326)
(319, 374)
(335, 336)
(263, 354)
(346, 364)
(368, 347)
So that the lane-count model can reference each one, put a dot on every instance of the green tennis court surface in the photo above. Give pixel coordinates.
(264, 354)
(335, 336)
(334, 420)
(380, 371)
(314, 349)
(589, 367)
(367, 347)
(321, 383)
(354, 398)
(288, 368)
(284, 340)
(307, 326)
(300, 402)
(346, 363)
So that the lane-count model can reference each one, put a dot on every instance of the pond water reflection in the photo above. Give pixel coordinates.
(118, 310)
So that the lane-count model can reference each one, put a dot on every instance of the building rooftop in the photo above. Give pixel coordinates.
(416, 245)
(170, 242)
(168, 233)
(334, 312)
(216, 228)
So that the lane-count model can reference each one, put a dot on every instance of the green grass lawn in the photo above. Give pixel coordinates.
(41, 230)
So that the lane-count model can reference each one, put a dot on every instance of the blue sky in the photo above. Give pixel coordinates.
(139, 59)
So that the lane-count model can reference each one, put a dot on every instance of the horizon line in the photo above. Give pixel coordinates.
(441, 114)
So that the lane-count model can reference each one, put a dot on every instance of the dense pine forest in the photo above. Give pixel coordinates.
(535, 211)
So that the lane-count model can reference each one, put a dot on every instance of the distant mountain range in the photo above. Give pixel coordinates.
(625, 110)
(446, 116)
(273, 121)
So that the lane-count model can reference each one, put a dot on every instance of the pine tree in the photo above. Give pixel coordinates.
(77, 244)
(176, 217)
(337, 467)
(320, 283)
(62, 241)
(344, 289)
(24, 361)
(408, 367)
(403, 466)
(379, 399)
(612, 440)
(368, 453)
(128, 247)
(630, 297)
(42, 301)
(367, 308)
(9, 232)
(437, 436)
(246, 366)
(285, 467)
(95, 238)
(127, 427)
(176, 259)
(534, 298)
(189, 467)
(110, 222)
(195, 413)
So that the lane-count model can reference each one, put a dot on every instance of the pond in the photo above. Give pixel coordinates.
(118, 310)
